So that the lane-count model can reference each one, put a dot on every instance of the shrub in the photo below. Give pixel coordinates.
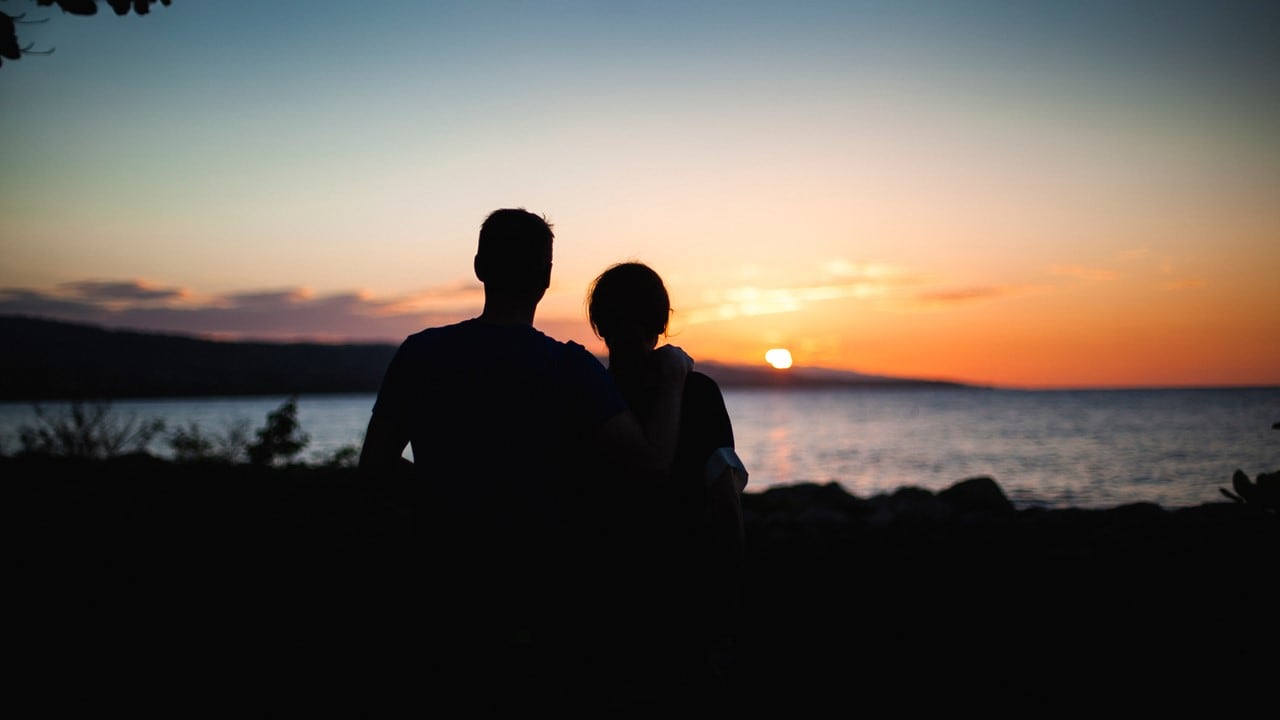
(346, 456)
(191, 444)
(280, 439)
(1263, 492)
(87, 430)
(233, 443)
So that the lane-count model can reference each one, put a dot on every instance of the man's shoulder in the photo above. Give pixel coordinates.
(567, 348)
(426, 341)
(442, 330)
(573, 347)
(576, 359)
(516, 341)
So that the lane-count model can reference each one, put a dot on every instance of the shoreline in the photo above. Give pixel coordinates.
(955, 588)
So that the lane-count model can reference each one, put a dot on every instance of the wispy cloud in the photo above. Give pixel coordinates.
(887, 284)
(289, 313)
(462, 295)
(966, 295)
(120, 291)
(861, 270)
(750, 301)
(838, 279)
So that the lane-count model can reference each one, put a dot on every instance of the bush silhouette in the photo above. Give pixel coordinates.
(192, 444)
(280, 439)
(87, 430)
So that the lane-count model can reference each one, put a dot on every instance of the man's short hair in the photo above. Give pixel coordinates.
(515, 251)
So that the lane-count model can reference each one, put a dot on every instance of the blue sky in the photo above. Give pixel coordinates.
(860, 181)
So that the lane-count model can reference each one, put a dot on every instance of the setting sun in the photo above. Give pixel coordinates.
(780, 358)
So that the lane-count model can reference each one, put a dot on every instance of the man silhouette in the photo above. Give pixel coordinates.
(514, 435)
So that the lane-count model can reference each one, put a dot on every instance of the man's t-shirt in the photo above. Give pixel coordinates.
(482, 398)
(501, 419)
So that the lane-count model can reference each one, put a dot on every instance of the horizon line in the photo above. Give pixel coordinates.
(875, 378)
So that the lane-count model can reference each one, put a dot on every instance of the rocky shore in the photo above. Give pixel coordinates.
(913, 594)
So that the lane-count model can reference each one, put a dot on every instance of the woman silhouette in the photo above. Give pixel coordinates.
(687, 555)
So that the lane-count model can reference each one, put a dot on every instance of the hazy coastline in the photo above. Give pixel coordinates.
(54, 360)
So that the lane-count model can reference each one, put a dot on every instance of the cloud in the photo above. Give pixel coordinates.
(462, 295)
(22, 301)
(300, 314)
(267, 299)
(281, 314)
(750, 301)
(125, 291)
(865, 271)
(969, 294)
(861, 281)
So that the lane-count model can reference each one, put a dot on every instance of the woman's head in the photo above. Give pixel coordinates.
(628, 306)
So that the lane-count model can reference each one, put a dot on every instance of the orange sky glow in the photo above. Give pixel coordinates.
(985, 192)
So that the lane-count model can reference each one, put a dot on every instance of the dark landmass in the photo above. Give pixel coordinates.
(51, 360)
(912, 600)
(47, 360)
(737, 376)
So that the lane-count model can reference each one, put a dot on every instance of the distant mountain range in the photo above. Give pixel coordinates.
(46, 360)
(751, 376)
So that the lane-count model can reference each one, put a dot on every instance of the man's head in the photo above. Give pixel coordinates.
(514, 257)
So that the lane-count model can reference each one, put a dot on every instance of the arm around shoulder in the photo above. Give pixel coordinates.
(647, 452)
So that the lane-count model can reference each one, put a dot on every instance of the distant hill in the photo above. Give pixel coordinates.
(46, 360)
(807, 377)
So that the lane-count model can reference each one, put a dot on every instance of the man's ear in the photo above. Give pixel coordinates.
(478, 266)
(546, 279)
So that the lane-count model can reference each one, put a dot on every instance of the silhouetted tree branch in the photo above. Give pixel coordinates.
(11, 49)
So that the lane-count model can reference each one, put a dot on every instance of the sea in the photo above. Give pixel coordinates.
(1049, 449)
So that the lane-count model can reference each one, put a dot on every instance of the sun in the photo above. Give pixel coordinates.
(780, 358)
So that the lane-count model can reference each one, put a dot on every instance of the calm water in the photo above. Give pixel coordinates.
(1051, 449)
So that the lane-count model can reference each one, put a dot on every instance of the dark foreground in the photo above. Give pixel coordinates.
(135, 580)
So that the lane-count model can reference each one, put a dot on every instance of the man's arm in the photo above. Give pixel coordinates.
(647, 452)
(662, 430)
(384, 442)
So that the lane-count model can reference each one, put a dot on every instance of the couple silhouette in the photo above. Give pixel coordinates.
(580, 527)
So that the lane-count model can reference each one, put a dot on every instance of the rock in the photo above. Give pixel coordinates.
(978, 495)
(803, 497)
(913, 503)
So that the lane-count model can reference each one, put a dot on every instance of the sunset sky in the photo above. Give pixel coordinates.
(1068, 194)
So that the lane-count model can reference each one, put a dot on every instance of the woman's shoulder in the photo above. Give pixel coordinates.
(702, 394)
(698, 382)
